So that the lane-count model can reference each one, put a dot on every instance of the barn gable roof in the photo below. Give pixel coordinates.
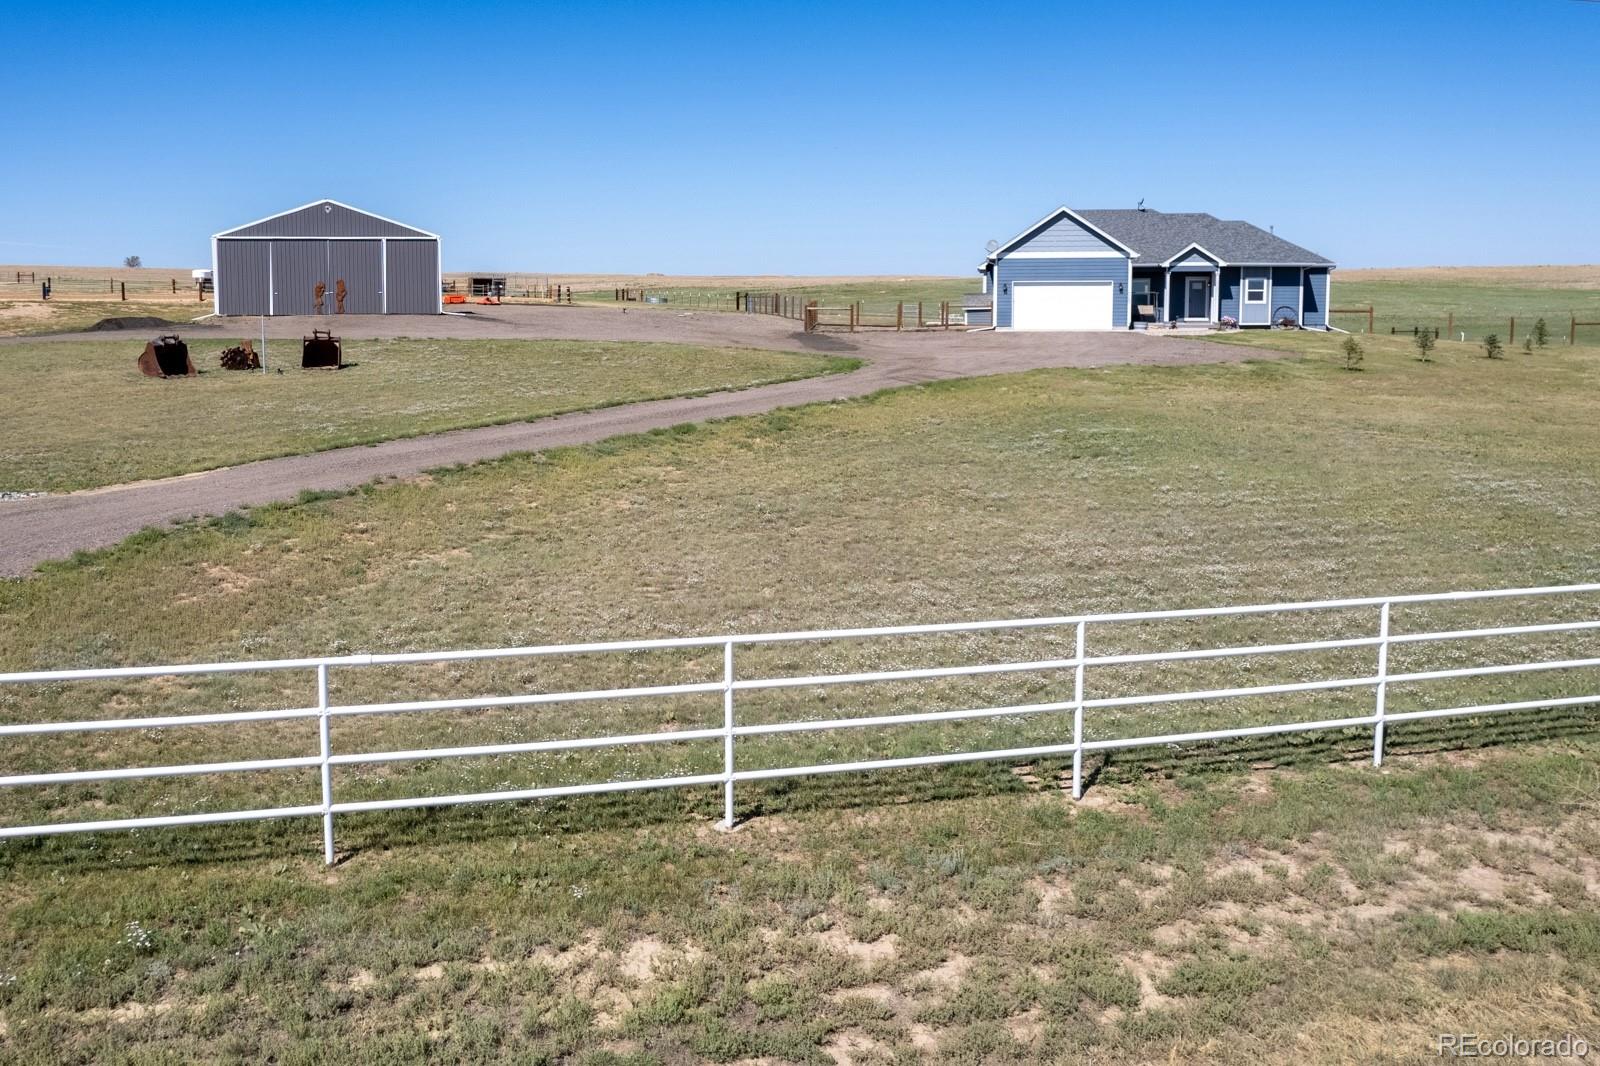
(326, 218)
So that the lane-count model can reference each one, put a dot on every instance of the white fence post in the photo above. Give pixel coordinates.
(729, 685)
(727, 735)
(1077, 721)
(1383, 684)
(327, 769)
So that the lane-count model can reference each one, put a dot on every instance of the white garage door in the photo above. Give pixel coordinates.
(1046, 305)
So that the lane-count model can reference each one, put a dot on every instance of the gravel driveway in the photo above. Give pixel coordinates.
(36, 529)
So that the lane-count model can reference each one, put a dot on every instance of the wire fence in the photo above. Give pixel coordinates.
(130, 284)
(1081, 719)
(1473, 325)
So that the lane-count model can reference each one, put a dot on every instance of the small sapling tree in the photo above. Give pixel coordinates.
(1492, 349)
(1541, 333)
(1425, 344)
(1353, 353)
(1527, 345)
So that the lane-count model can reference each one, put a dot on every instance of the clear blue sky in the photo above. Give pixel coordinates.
(837, 138)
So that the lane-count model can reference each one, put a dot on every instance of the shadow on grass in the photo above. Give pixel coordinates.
(368, 834)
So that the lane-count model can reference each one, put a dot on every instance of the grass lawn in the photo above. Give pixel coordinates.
(1401, 300)
(79, 414)
(1269, 899)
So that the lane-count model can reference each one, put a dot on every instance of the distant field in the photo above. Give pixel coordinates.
(1259, 900)
(85, 295)
(20, 318)
(875, 293)
(1472, 300)
(79, 414)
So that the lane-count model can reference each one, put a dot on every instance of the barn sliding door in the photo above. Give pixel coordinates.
(413, 277)
(359, 264)
(298, 267)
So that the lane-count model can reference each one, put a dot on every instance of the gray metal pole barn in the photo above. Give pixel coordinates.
(273, 266)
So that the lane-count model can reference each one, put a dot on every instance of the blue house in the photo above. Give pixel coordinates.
(1129, 269)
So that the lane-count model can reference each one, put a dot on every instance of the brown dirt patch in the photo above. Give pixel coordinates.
(879, 950)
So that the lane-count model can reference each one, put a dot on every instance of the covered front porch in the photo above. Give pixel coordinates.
(1185, 290)
(1191, 295)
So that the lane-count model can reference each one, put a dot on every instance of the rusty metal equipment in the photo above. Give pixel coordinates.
(241, 357)
(321, 349)
(166, 357)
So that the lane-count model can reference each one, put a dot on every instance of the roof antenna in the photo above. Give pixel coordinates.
(1141, 204)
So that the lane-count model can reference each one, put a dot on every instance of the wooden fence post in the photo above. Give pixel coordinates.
(899, 316)
(124, 291)
(1450, 325)
(1512, 337)
(1572, 332)
(920, 320)
(1369, 318)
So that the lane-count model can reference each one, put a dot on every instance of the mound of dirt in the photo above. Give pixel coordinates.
(131, 322)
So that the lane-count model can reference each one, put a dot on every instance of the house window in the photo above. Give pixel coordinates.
(1255, 290)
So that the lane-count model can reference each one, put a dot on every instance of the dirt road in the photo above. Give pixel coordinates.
(34, 530)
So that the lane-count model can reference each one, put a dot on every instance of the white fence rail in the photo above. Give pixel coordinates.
(730, 684)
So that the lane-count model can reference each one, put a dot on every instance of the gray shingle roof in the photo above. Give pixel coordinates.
(1159, 235)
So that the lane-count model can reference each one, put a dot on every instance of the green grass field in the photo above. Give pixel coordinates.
(878, 295)
(79, 414)
(1475, 309)
(1221, 901)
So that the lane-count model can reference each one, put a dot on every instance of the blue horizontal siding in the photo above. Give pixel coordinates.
(1115, 270)
(1315, 313)
(978, 316)
(1065, 235)
(1228, 304)
(1285, 291)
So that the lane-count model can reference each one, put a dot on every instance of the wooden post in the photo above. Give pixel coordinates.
(1512, 338)
(1572, 332)
(124, 291)
(1450, 325)
(1369, 318)
(174, 284)
(899, 316)
(920, 319)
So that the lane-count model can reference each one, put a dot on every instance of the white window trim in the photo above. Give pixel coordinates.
(1266, 290)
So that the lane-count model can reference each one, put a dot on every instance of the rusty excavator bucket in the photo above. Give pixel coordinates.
(166, 357)
(321, 349)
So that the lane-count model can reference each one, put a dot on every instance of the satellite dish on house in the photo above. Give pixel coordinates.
(992, 246)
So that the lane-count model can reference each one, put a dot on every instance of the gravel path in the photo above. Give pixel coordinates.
(36, 529)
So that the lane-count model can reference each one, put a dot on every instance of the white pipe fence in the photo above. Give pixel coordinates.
(730, 684)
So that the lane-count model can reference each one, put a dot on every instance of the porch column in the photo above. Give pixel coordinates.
(1166, 308)
(1216, 295)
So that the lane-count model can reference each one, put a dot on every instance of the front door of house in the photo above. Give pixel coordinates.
(1198, 304)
